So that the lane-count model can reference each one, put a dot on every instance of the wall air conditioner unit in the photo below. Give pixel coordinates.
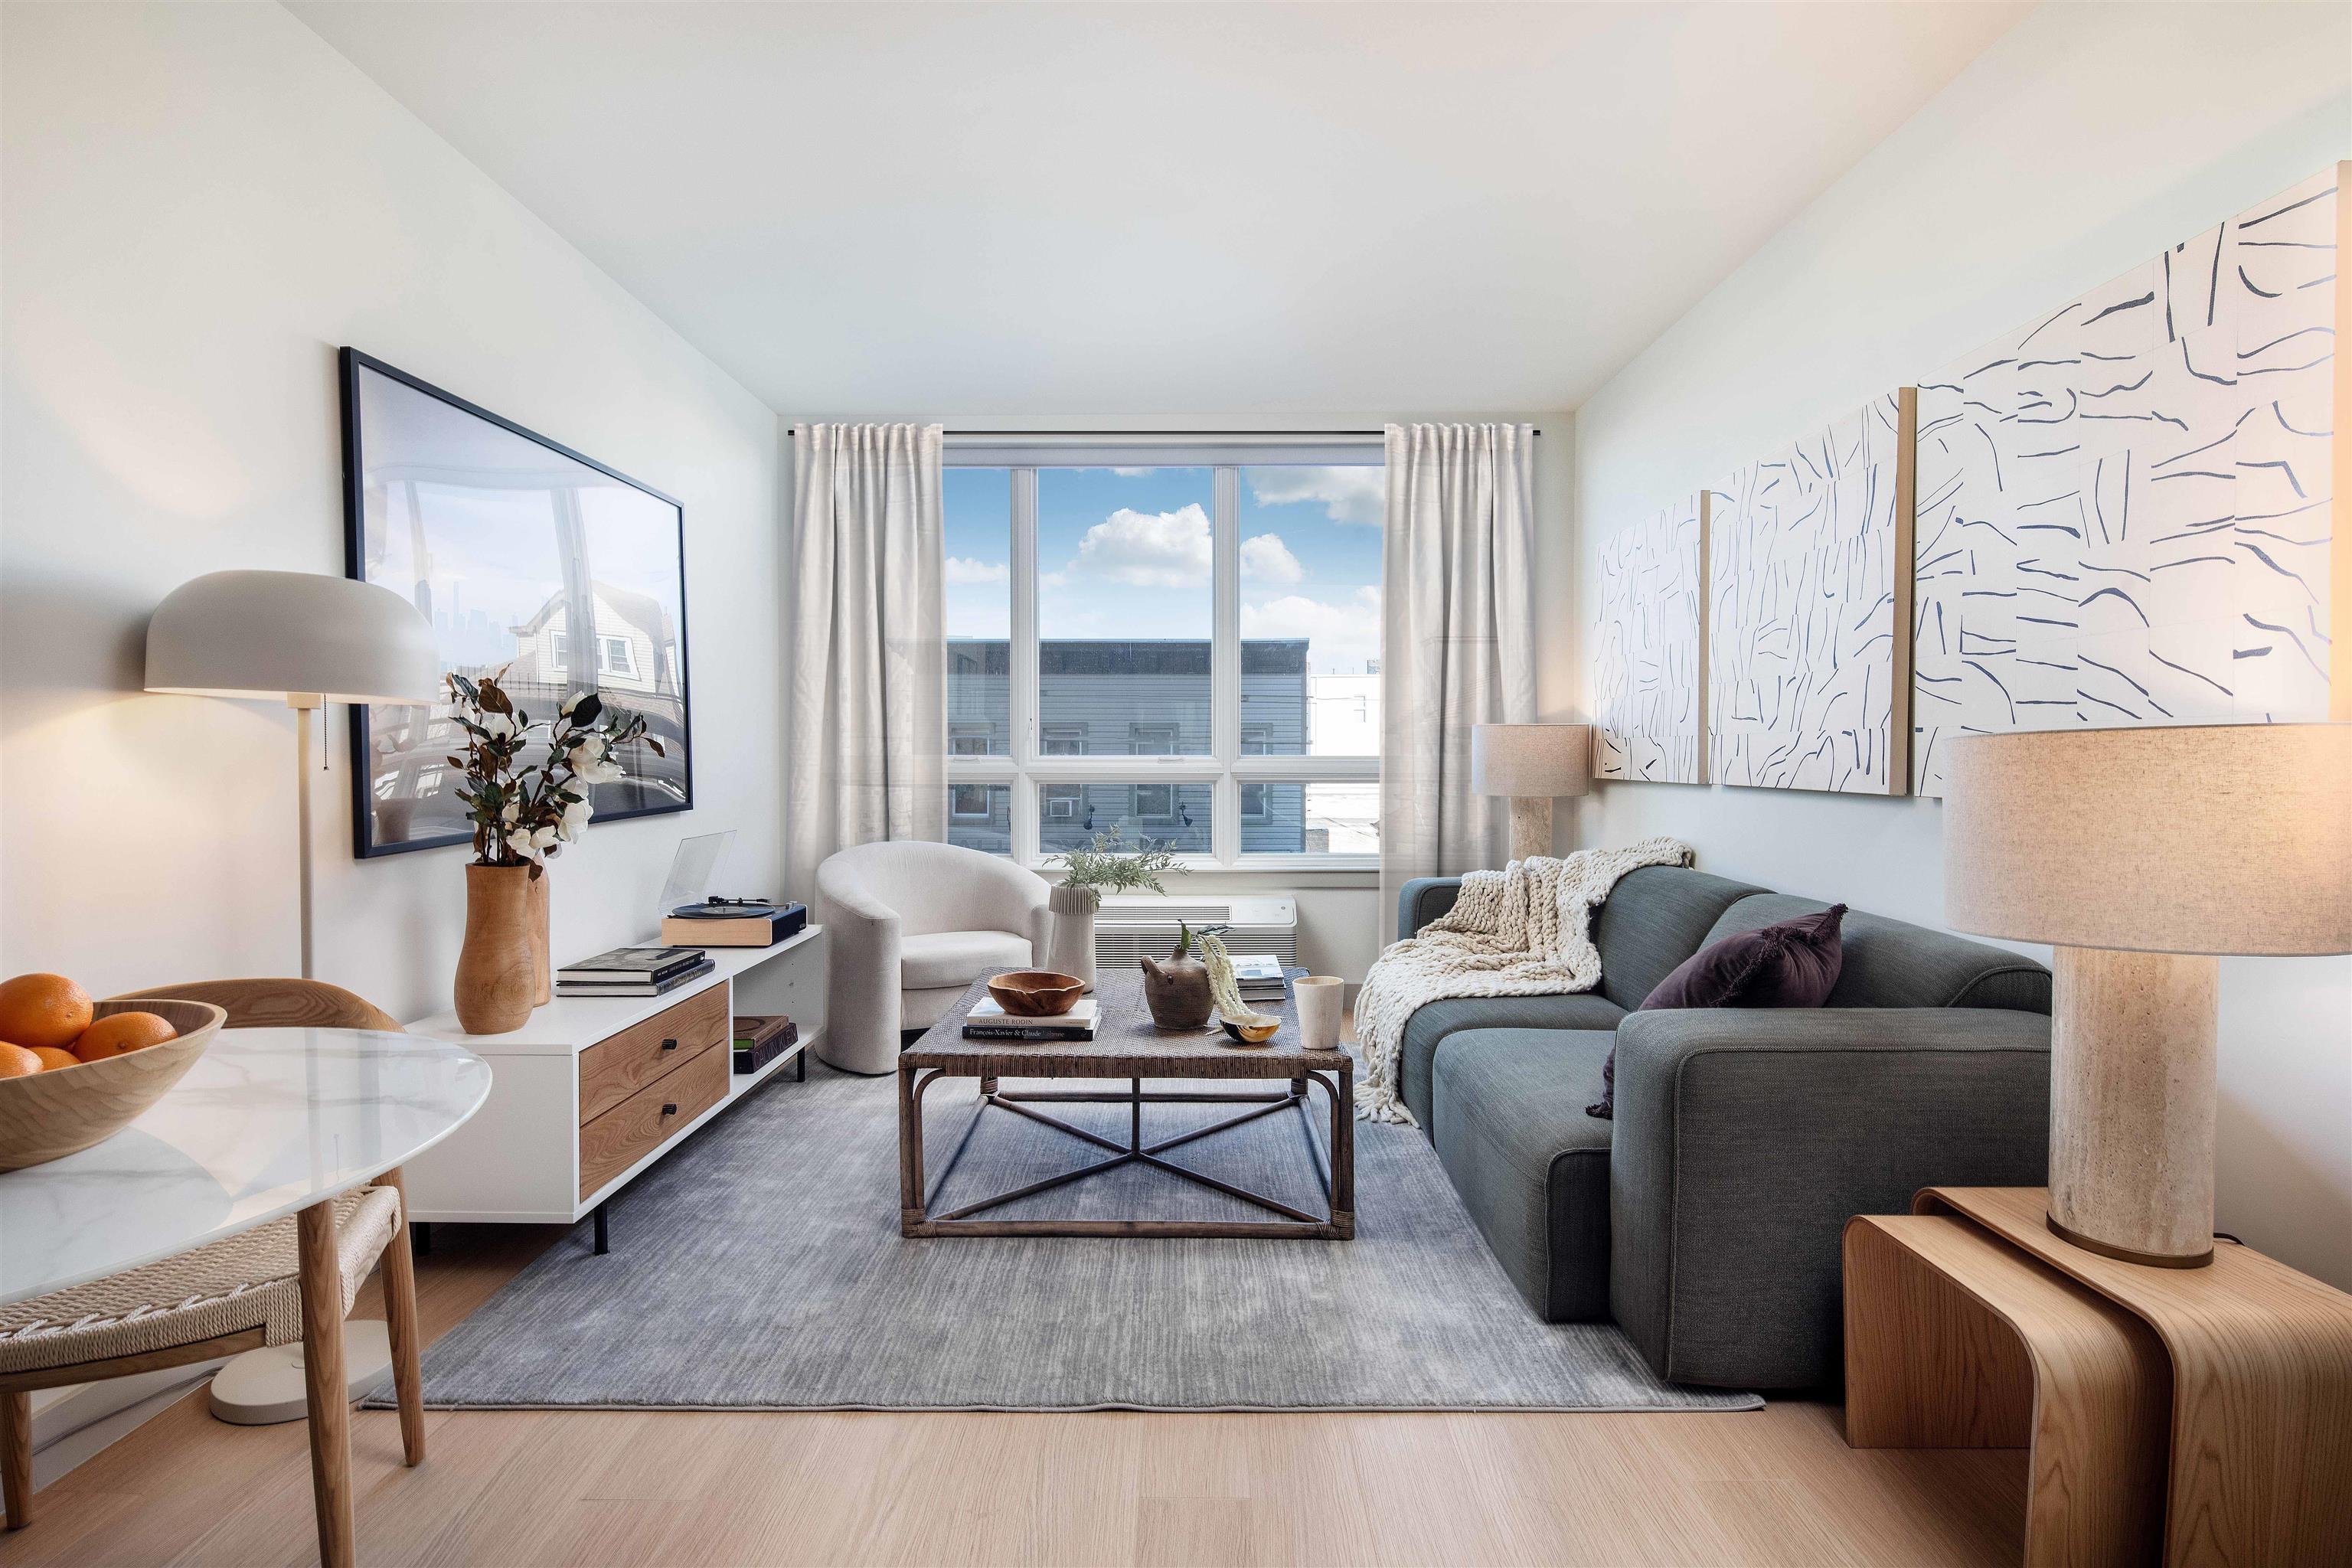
(1136, 925)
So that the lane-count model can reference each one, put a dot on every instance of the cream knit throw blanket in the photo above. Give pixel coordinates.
(1524, 930)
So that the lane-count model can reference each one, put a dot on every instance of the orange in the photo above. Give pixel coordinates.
(119, 1033)
(42, 1010)
(15, 1061)
(53, 1058)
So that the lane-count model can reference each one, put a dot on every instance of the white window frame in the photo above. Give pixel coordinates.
(1029, 770)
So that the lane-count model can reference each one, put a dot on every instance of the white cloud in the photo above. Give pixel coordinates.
(1341, 634)
(1148, 550)
(962, 570)
(1267, 559)
(1346, 494)
(1131, 473)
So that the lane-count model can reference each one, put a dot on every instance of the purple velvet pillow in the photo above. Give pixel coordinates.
(1792, 964)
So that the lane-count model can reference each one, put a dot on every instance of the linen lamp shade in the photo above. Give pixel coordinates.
(2138, 854)
(1530, 763)
(279, 633)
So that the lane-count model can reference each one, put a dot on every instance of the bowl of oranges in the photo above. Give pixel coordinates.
(74, 1071)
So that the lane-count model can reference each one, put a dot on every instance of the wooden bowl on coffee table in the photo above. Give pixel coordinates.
(1035, 993)
(49, 1115)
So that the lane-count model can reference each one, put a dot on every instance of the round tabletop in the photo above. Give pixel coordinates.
(265, 1122)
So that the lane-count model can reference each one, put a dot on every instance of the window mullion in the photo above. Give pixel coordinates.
(1024, 663)
(1225, 667)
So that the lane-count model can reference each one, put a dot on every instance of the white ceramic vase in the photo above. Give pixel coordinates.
(1070, 949)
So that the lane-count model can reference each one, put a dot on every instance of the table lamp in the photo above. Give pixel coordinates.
(1531, 763)
(297, 637)
(2140, 855)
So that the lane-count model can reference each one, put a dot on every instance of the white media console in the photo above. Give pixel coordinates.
(593, 1090)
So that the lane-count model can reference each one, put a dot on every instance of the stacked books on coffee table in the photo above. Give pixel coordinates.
(632, 971)
(1258, 976)
(987, 1020)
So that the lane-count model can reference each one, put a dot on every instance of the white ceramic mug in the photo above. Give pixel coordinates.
(1321, 1000)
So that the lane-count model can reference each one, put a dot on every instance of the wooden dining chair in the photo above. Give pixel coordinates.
(233, 1295)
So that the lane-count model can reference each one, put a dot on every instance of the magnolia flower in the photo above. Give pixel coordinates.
(508, 813)
(590, 762)
(574, 821)
(498, 726)
(531, 844)
(570, 703)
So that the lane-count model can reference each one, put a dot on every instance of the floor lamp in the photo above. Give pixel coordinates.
(2140, 855)
(301, 638)
(306, 640)
(1531, 763)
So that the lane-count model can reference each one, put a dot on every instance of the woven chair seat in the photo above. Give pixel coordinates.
(245, 1281)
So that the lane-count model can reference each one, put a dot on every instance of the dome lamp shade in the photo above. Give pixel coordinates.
(282, 634)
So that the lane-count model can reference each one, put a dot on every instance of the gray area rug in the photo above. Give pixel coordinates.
(761, 1267)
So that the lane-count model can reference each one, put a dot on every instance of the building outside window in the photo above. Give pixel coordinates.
(1185, 649)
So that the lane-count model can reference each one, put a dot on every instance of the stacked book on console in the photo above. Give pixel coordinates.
(1258, 975)
(632, 971)
(989, 1021)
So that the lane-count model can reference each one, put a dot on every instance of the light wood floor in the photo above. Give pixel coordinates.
(1777, 1486)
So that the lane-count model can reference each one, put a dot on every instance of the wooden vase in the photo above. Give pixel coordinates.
(541, 992)
(494, 985)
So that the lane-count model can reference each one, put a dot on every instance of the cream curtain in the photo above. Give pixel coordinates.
(867, 716)
(1457, 639)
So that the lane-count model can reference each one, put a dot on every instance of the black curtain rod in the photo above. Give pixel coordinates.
(1301, 435)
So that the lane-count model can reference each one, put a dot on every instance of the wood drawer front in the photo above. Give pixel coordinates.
(651, 1116)
(613, 1069)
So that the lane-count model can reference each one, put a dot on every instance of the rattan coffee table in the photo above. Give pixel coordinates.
(1128, 1046)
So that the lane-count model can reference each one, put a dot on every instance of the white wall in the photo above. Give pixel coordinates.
(201, 203)
(2082, 142)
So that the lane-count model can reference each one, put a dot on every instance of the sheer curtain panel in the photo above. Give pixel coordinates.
(867, 720)
(1457, 646)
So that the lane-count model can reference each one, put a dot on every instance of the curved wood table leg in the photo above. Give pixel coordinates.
(2261, 1369)
(1955, 1340)
(400, 1324)
(323, 1381)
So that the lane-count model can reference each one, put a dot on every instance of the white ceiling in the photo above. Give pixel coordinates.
(1099, 210)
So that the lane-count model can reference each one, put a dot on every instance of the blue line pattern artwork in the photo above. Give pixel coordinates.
(1647, 650)
(2125, 509)
(1806, 573)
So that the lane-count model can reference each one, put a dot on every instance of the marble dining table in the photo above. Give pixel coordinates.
(268, 1122)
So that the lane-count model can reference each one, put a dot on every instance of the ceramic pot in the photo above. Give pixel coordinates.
(542, 991)
(1177, 992)
(494, 966)
(1071, 946)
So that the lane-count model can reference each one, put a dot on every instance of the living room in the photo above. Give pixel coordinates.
(1408, 894)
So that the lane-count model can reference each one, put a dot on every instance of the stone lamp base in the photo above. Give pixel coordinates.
(2132, 1091)
(1530, 825)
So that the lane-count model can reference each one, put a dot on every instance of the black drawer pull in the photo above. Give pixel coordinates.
(670, 1045)
(671, 1109)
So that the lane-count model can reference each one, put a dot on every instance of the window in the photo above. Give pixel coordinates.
(613, 656)
(1180, 645)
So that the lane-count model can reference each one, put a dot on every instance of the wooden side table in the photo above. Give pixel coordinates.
(2202, 1413)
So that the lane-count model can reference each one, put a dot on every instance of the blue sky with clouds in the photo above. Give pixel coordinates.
(1127, 553)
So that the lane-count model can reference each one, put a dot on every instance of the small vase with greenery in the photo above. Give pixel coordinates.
(1107, 864)
(526, 794)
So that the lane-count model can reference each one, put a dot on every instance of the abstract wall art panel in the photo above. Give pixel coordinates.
(1809, 581)
(1649, 650)
(2126, 508)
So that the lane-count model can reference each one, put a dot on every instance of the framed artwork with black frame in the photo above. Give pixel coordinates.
(526, 556)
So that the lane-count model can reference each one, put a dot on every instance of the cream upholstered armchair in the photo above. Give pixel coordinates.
(910, 925)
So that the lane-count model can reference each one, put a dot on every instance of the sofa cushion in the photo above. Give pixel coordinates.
(1432, 1024)
(1892, 963)
(1789, 964)
(1531, 1166)
(1653, 918)
(958, 957)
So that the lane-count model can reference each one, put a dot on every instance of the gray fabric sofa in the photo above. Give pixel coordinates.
(1705, 1218)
